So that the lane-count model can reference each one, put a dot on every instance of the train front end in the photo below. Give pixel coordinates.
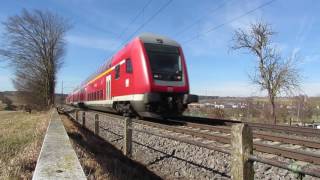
(167, 75)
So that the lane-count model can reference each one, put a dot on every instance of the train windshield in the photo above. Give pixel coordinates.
(165, 62)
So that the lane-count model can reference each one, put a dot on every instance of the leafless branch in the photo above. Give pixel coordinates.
(274, 74)
(35, 47)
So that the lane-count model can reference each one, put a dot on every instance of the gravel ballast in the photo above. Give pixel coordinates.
(171, 159)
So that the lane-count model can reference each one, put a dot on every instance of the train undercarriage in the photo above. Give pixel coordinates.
(155, 105)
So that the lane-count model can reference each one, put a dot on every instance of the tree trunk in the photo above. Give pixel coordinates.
(274, 114)
(273, 110)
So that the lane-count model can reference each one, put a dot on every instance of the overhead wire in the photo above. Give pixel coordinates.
(212, 11)
(228, 22)
(127, 26)
(144, 24)
(134, 19)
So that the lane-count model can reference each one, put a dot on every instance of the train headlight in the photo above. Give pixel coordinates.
(157, 76)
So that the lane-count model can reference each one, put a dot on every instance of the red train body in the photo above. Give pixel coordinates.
(148, 77)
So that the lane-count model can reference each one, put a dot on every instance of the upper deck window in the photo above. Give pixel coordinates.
(128, 66)
(117, 71)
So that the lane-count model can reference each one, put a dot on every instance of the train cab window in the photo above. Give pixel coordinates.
(117, 69)
(128, 66)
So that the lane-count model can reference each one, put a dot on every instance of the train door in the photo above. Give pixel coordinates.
(108, 87)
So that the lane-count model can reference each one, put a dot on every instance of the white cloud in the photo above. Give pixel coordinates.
(93, 42)
(311, 58)
(237, 11)
(306, 24)
(208, 43)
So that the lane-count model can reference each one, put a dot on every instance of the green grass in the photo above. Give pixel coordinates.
(21, 137)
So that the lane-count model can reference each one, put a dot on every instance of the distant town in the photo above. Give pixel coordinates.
(299, 110)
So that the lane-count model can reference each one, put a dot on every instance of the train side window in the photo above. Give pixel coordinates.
(128, 66)
(117, 69)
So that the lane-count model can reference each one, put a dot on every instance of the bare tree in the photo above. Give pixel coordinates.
(273, 73)
(304, 109)
(34, 47)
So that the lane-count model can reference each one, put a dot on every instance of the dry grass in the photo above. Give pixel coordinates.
(101, 160)
(21, 137)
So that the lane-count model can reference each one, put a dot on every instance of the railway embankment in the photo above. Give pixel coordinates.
(100, 159)
(172, 159)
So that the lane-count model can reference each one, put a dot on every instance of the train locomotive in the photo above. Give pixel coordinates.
(147, 77)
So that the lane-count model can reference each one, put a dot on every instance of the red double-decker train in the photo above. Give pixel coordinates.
(147, 77)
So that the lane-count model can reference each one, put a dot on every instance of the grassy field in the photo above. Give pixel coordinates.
(21, 137)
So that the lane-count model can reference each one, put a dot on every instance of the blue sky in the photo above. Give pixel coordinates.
(213, 68)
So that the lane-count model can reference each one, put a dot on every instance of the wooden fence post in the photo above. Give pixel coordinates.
(84, 119)
(96, 124)
(127, 137)
(77, 115)
(241, 149)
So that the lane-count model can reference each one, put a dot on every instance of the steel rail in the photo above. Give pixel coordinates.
(284, 152)
(305, 131)
(282, 128)
(261, 135)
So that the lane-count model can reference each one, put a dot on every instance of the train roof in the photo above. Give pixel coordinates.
(156, 39)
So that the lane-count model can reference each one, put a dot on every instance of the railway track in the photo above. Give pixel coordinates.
(304, 131)
(261, 135)
(225, 139)
(221, 133)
